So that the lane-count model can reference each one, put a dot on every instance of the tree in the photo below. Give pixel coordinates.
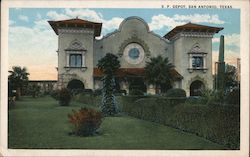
(157, 72)
(18, 79)
(230, 78)
(109, 65)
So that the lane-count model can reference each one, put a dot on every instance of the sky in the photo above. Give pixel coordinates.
(33, 44)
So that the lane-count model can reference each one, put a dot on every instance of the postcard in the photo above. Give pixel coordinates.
(124, 78)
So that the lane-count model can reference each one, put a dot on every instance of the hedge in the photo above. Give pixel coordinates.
(93, 100)
(218, 123)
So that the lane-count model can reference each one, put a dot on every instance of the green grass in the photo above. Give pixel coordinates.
(42, 123)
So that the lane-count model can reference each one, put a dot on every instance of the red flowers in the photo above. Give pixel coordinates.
(86, 121)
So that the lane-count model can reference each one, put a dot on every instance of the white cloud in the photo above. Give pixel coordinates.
(199, 18)
(32, 45)
(87, 14)
(42, 24)
(230, 39)
(216, 40)
(23, 18)
(162, 21)
(56, 16)
(112, 24)
(233, 39)
(84, 14)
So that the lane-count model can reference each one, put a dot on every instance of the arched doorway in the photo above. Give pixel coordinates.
(75, 84)
(138, 84)
(196, 88)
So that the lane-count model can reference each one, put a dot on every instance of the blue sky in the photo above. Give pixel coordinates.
(32, 42)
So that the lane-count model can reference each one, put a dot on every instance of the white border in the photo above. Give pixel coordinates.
(244, 38)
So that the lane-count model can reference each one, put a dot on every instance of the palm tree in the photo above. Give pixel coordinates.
(109, 65)
(18, 78)
(157, 72)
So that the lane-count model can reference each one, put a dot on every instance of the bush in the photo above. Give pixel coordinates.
(212, 96)
(97, 92)
(120, 92)
(85, 121)
(55, 94)
(64, 97)
(175, 92)
(87, 91)
(136, 92)
(217, 123)
(233, 97)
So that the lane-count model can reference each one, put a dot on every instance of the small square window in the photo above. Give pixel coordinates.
(197, 62)
(75, 60)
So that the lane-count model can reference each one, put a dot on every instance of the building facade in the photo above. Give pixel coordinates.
(188, 47)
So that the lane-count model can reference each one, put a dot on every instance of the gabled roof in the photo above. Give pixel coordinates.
(76, 23)
(130, 72)
(191, 27)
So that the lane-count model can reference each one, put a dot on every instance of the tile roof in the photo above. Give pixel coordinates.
(191, 27)
(130, 72)
(78, 23)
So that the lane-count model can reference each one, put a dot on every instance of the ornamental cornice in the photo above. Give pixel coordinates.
(75, 31)
(193, 34)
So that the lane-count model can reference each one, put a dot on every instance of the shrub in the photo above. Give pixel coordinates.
(85, 122)
(87, 91)
(212, 96)
(55, 94)
(120, 92)
(64, 97)
(136, 92)
(175, 92)
(218, 123)
(233, 97)
(97, 92)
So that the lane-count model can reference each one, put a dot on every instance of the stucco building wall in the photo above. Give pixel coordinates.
(179, 45)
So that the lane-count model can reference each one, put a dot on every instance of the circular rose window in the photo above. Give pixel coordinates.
(134, 53)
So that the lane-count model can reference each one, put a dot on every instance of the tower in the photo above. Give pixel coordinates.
(75, 52)
(192, 48)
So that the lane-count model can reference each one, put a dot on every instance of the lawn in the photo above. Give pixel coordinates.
(42, 123)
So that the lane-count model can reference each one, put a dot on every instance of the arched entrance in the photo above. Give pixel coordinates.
(196, 88)
(75, 84)
(138, 84)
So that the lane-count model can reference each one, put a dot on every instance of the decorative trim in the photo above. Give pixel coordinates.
(192, 69)
(196, 49)
(192, 34)
(75, 31)
(76, 45)
(81, 68)
(197, 78)
(134, 39)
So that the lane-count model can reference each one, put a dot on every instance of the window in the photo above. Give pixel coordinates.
(75, 60)
(197, 62)
(134, 53)
(197, 59)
